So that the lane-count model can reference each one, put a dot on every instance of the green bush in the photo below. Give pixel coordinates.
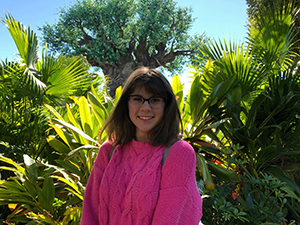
(260, 200)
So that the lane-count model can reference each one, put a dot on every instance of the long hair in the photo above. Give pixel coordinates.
(119, 127)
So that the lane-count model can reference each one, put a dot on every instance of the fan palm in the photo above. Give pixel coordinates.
(48, 76)
(271, 119)
(262, 133)
(258, 69)
(272, 34)
(31, 81)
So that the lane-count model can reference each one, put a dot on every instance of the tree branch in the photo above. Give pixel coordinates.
(86, 38)
(167, 58)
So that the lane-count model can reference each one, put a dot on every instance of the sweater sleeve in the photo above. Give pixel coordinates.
(179, 201)
(91, 195)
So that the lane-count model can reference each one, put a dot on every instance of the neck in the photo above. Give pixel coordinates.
(141, 138)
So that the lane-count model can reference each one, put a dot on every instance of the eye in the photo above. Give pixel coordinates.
(156, 100)
(137, 99)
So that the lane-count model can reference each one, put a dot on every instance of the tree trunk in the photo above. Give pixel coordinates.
(116, 75)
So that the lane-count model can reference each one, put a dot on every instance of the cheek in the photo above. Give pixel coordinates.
(160, 113)
(131, 112)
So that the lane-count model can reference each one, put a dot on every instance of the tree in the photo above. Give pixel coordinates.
(119, 36)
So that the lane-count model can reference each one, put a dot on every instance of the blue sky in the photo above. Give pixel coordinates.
(217, 18)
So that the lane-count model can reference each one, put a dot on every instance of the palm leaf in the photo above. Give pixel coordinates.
(221, 60)
(273, 32)
(27, 45)
(63, 80)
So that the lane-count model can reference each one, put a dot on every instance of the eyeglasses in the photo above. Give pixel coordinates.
(154, 102)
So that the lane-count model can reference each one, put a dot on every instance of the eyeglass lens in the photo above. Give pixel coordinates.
(138, 101)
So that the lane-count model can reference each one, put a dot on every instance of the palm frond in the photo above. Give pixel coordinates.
(220, 60)
(63, 80)
(27, 44)
(273, 33)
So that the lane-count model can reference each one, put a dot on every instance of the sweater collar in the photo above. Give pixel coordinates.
(141, 144)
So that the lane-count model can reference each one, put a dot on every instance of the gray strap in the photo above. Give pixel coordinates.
(166, 152)
(111, 152)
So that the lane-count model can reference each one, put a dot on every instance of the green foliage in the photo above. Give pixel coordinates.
(266, 128)
(221, 60)
(201, 114)
(274, 37)
(266, 136)
(256, 8)
(28, 83)
(261, 132)
(77, 137)
(105, 24)
(255, 201)
(265, 199)
(219, 206)
(36, 192)
(48, 76)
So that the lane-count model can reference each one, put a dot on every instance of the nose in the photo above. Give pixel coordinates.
(146, 105)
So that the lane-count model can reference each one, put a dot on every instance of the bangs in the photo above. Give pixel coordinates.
(151, 83)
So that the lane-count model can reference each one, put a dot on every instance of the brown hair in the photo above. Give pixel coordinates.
(121, 130)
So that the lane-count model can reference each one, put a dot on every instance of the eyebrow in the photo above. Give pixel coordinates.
(154, 95)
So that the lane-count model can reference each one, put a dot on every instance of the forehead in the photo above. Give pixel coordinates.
(141, 90)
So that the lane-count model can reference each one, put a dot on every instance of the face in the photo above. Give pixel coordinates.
(144, 118)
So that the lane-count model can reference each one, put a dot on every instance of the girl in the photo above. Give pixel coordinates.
(145, 173)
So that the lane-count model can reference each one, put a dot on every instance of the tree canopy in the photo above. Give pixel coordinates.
(119, 36)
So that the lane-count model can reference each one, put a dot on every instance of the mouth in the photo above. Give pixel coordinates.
(145, 117)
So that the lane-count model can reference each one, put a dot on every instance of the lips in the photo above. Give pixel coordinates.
(146, 117)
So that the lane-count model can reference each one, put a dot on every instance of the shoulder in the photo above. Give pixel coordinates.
(181, 153)
(180, 165)
(105, 147)
(103, 153)
(182, 144)
(181, 148)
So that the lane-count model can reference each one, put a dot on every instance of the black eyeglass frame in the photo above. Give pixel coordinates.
(147, 99)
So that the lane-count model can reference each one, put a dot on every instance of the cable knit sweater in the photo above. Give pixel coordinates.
(133, 187)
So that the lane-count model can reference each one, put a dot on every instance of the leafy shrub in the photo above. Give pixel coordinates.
(252, 201)
(220, 207)
(37, 193)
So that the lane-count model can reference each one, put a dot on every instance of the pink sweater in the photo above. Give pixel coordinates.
(133, 187)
